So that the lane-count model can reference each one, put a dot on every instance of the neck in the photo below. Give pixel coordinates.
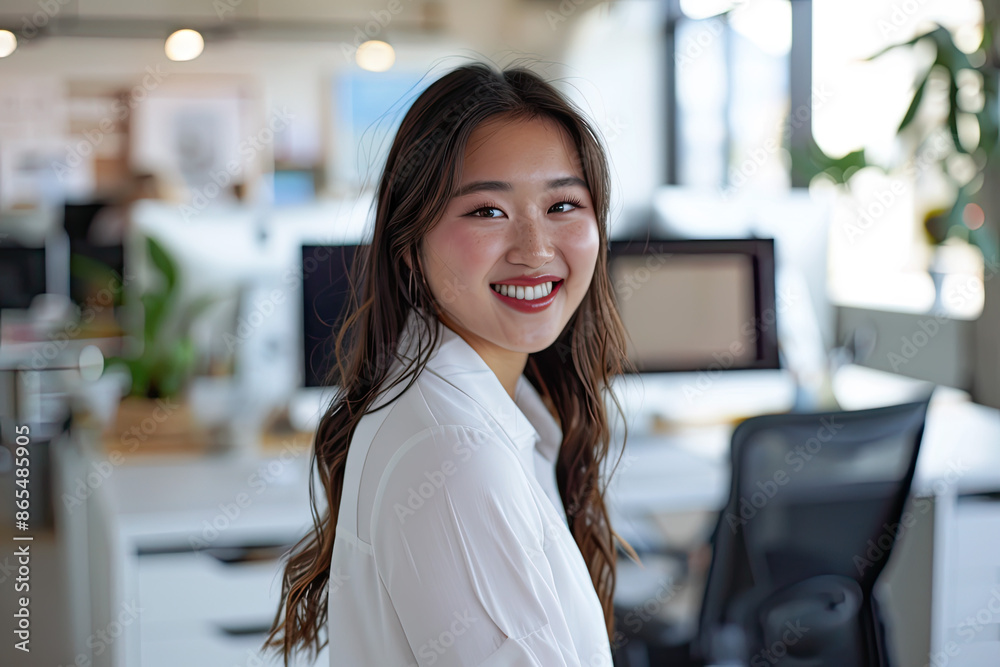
(507, 365)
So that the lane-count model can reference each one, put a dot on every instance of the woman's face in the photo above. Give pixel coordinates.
(522, 216)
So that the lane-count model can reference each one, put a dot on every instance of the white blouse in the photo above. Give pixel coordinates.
(452, 546)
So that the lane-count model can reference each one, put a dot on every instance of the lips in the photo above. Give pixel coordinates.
(536, 303)
(525, 292)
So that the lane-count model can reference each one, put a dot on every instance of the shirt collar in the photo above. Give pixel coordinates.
(525, 420)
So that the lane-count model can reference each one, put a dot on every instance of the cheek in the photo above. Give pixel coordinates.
(580, 245)
(456, 252)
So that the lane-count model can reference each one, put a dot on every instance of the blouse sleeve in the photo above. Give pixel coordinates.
(458, 543)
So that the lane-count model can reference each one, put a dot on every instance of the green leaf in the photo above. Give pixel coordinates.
(948, 53)
(911, 112)
(908, 43)
(154, 307)
(163, 262)
(813, 161)
(953, 113)
(89, 269)
(989, 132)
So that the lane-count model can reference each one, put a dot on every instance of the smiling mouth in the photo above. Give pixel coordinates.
(529, 293)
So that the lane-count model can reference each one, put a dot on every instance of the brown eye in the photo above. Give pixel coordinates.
(487, 212)
(564, 207)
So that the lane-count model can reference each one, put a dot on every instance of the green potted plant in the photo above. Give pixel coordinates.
(952, 65)
(154, 412)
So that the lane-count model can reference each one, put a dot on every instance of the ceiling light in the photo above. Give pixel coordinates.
(375, 56)
(8, 42)
(184, 45)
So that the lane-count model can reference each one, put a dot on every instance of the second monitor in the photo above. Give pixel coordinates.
(692, 305)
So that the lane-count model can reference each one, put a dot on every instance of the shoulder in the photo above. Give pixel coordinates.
(458, 485)
(463, 453)
(429, 403)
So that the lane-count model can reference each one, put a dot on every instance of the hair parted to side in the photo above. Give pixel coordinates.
(421, 172)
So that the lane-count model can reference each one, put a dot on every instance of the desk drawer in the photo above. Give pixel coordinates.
(193, 644)
(196, 586)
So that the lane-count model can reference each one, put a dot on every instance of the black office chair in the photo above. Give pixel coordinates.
(813, 512)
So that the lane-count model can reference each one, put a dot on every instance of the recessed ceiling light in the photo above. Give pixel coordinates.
(8, 43)
(184, 45)
(375, 56)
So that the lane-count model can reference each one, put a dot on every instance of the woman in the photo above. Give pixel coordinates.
(471, 378)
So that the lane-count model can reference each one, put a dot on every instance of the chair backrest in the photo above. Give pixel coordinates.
(812, 516)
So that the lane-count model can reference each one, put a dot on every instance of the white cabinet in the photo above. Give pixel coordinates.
(972, 610)
(177, 560)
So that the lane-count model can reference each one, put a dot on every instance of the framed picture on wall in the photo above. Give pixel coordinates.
(368, 108)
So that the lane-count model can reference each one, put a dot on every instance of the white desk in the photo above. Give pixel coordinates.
(141, 540)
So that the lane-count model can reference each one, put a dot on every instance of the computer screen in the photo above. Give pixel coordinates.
(93, 266)
(691, 305)
(325, 290)
(22, 275)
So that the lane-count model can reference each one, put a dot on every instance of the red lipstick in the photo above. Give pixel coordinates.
(534, 305)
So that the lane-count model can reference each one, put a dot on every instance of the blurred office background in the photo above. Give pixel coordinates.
(171, 173)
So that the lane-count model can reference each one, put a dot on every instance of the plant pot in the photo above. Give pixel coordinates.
(160, 425)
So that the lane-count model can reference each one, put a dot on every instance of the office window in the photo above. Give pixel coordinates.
(732, 96)
(879, 251)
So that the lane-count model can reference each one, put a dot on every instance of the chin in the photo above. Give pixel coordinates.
(536, 344)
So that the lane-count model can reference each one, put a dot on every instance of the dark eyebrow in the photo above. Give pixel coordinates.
(501, 186)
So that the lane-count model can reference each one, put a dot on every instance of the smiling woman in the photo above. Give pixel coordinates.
(522, 217)
(463, 518)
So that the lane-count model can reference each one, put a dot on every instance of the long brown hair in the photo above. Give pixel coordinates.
(421, 172)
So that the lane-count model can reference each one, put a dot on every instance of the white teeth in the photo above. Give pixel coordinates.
(525, 293)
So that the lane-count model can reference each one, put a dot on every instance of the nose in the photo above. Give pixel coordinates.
(532, 243)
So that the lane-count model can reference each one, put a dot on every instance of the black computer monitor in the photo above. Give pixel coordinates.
(92, 266)
(697, 305)
(22, 275)
(325, 290)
